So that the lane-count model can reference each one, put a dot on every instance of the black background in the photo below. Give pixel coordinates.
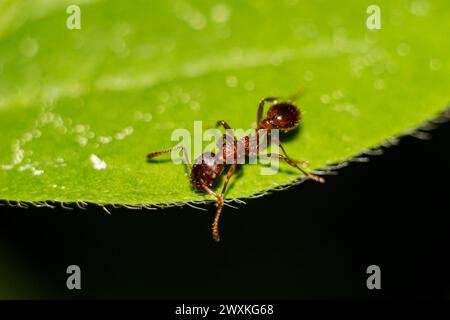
(311, 241)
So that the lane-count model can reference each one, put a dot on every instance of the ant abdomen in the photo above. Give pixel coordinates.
(206, 170)
(282, 116)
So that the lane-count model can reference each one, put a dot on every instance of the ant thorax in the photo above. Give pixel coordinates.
(237, 150)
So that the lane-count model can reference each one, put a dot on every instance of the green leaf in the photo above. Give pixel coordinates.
(114, 90)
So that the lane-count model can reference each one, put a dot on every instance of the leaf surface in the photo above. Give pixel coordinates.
(80, 109)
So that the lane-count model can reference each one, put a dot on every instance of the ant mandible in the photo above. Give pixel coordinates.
(208, 167)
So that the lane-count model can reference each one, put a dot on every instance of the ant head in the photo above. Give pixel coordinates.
(284, 116)
(206, 170)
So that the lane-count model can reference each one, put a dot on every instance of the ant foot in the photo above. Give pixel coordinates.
(216, 237)
(317, 178)
(219, 201)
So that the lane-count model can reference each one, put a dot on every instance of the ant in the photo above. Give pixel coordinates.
(209, 166)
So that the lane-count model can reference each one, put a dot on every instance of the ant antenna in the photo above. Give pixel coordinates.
(298, 94)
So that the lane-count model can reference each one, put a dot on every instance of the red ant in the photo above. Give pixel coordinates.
(208, 167)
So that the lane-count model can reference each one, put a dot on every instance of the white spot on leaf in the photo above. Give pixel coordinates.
(97, 163)
(29, 47)
(420, 8)
(403, 49)
(124, 133)
(232, 81)
(435, 64)
(220, 13)
(193, 17)
(325, 99)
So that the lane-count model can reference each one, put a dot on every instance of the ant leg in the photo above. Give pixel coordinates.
(226, 137)
(229, 174)
(295, 165)
(297, 94)
(261, 109)
(219, 204)
(278, 142)
(159, 153)
(224, 124)
(215, 225)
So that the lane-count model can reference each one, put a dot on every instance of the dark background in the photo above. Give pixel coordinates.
(311, 241)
